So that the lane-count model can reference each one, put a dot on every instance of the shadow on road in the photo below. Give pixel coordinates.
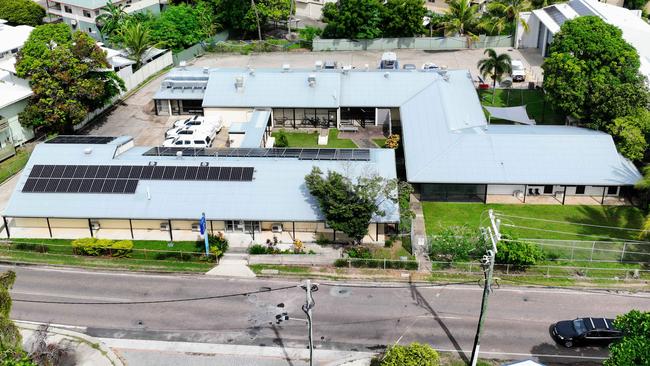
(278, 341)
(551, 353)
(423, 303)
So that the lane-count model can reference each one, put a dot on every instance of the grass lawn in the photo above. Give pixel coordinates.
(542, 112)
(13, 165)
(438, 215)
(380, 142)
(147, 255)
(310, 139)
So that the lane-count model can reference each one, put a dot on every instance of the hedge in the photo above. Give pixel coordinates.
(101, 247)
(376, 263)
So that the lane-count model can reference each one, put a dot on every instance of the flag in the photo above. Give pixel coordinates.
(202, 224)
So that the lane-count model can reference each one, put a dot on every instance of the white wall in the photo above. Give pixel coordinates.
(236, 139)
(229, 115)
(506, 189)
(527, 39)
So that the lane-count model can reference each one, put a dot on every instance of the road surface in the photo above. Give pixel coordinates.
(356, 317)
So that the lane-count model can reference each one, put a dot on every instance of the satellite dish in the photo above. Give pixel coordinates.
(506, 83)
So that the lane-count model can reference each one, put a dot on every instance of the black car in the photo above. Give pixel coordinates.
(585, 331)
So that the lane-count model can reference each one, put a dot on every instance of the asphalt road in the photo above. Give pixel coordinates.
(347, 317)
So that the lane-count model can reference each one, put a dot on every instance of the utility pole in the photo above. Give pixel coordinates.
(309, 304)
(492, 232)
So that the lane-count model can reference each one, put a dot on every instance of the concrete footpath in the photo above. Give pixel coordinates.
(162, 353)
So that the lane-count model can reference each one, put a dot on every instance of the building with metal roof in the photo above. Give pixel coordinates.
(545, 22)
(83, 185)
(451, 152)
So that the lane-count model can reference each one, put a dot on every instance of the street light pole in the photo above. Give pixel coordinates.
(309, 304)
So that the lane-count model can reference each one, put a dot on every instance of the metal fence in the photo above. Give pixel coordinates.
(594, 251)
(418, 43)
(199, 48)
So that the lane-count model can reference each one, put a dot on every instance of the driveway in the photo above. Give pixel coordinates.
(135, 116)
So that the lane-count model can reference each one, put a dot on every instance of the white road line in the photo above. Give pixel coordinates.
(69, 296)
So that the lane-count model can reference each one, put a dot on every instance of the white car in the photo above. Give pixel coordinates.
(518, 71)
(192, 121)
(199, 140)
(430, 66)
(211, 128)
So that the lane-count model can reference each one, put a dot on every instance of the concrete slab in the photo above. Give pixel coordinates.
(232, 265)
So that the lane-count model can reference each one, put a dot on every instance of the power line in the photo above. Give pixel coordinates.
(157, 301)
(570, 223)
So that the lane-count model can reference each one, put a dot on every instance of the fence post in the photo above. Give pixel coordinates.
(573, 248)
(181, 255)
(145, 253)
(593, 246)
(508, 268)
(349, 263)
(384, 263)
(623, 252)
(470, 267)
(548, 271)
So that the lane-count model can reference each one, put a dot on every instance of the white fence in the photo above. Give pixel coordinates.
(291, 259)
(419, 43)
(131, 81)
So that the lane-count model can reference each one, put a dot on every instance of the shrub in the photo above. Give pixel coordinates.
(298, 246)
(340, 263)
(281, 139)
(406, 243)
(518, 253)
(388, 243)
(415, 354)
(322, 240)
(359, 252)
(392, 142)
(219, 242)
(308, 34)
(98, 247)
(257, 249)
(456, 243)
(39, 248)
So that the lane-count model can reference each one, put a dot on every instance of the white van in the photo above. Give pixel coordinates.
(193, 140)
(211, 128)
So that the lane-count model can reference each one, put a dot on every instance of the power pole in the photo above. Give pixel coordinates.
(309, 304)
(492, 232)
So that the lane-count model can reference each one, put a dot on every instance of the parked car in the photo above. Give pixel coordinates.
(192, 121)
(389, 61)
(518, 71)
(430, 66)
(202, 126)
(198, 140)
(330, 65)
(409, 67)
(585, 331)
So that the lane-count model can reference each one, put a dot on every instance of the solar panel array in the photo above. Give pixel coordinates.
(122, 178)
(301, 154)
(72, 139)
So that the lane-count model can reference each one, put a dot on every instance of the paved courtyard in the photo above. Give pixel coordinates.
(135, 115)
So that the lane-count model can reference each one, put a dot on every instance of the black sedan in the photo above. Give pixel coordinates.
(585, 331)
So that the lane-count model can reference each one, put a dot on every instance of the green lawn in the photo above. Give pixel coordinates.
(310, 139)
(542, 112)
(441, 214)
(147, 255)
(380, 142)
(13, 165)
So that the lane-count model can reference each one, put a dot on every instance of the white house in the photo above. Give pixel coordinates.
(544, 23)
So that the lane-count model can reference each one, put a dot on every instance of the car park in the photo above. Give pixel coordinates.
(518, 71)
(585, 331)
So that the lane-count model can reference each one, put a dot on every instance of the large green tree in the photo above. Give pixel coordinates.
(403, 18)
(460, 18)
(21, 12)
(136, 40)
(631, 134)
(182, 26)
(634, 348)
(349, 206)
(69, 76)
(354, 19)
(592, 73)
(111, 19)
(511, 10)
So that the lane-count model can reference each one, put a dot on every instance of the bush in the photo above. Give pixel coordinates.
(219, 243)
(100, 247)
(375, 263)
(392, 142)
(322, 240)
(388, 243)
(258, 249)
(18, 12)
(359, 252)
(518, 253)
(281, 139)
(308, 34)
(39, 248)
(415, 354)
(456, 243)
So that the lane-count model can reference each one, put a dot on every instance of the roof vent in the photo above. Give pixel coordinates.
(205, 70)
(386, 75)
(286, 67)
(88, 150)
(311, 79)
(366, 67)
(182, 64)
(179, 154)
(251, 72)
(239, 83)
(318, 65)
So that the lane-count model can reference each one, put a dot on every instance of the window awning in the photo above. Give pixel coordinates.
(515, 114)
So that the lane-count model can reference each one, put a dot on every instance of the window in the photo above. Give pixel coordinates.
(96, 12)
(90, 30)
(548, 189)
(67, 9)
(87, 14)
(580, 189)
(199, 142)
(612, 190)
(179, 142)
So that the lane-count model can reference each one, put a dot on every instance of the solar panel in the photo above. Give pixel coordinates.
(113, 171)
(40, 185)
(51, 185)
(169, 173)
(136, 171)
(36, 171)
(58, 171)
(131, 185)
(63, 185)
(91, 172)
(47, 171)
(69, 139)
(194, 173)
(102, 171)
(236, 174)
(147, 172)
(68, 172)
(108, 186)
(179, 174)
(213, 173)
(120, 184)
(29, 185)
(247, 174)
(125, 172)
(85, 186)
(96, 186)
(80, 171)
(224, 173)
(74, 186)
(158, 172)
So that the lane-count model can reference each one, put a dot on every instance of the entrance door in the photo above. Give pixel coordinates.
(176, 107)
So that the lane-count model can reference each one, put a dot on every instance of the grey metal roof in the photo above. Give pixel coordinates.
(255, 128)
(277, 192)
(436, 152)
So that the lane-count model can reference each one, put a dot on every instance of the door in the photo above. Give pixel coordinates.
(176, 108)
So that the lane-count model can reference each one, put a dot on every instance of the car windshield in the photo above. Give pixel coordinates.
(579, 326)
(516, 66)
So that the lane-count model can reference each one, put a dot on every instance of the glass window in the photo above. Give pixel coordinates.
(612, 190)
(548, 189)
(179, 142)
(579, 326)
(67, 9)
(87, 14)
(580, 189)
(299, 116)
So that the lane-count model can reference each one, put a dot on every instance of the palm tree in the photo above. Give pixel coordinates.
(511, 10)
(111, 19)
(494, 66)
(136, 39)
(493, 24)
(461, 16)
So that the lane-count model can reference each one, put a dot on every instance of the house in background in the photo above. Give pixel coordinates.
(82, 14)
(544, 23)
(312, 9)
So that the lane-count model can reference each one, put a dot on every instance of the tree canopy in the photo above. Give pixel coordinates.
(181, 26)
(349, 206)
(21, 12)
(634, 348)
(403, 18)
(355, 19)
(240, 17)
(631, 134)
(69, 76)
(592, 73)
